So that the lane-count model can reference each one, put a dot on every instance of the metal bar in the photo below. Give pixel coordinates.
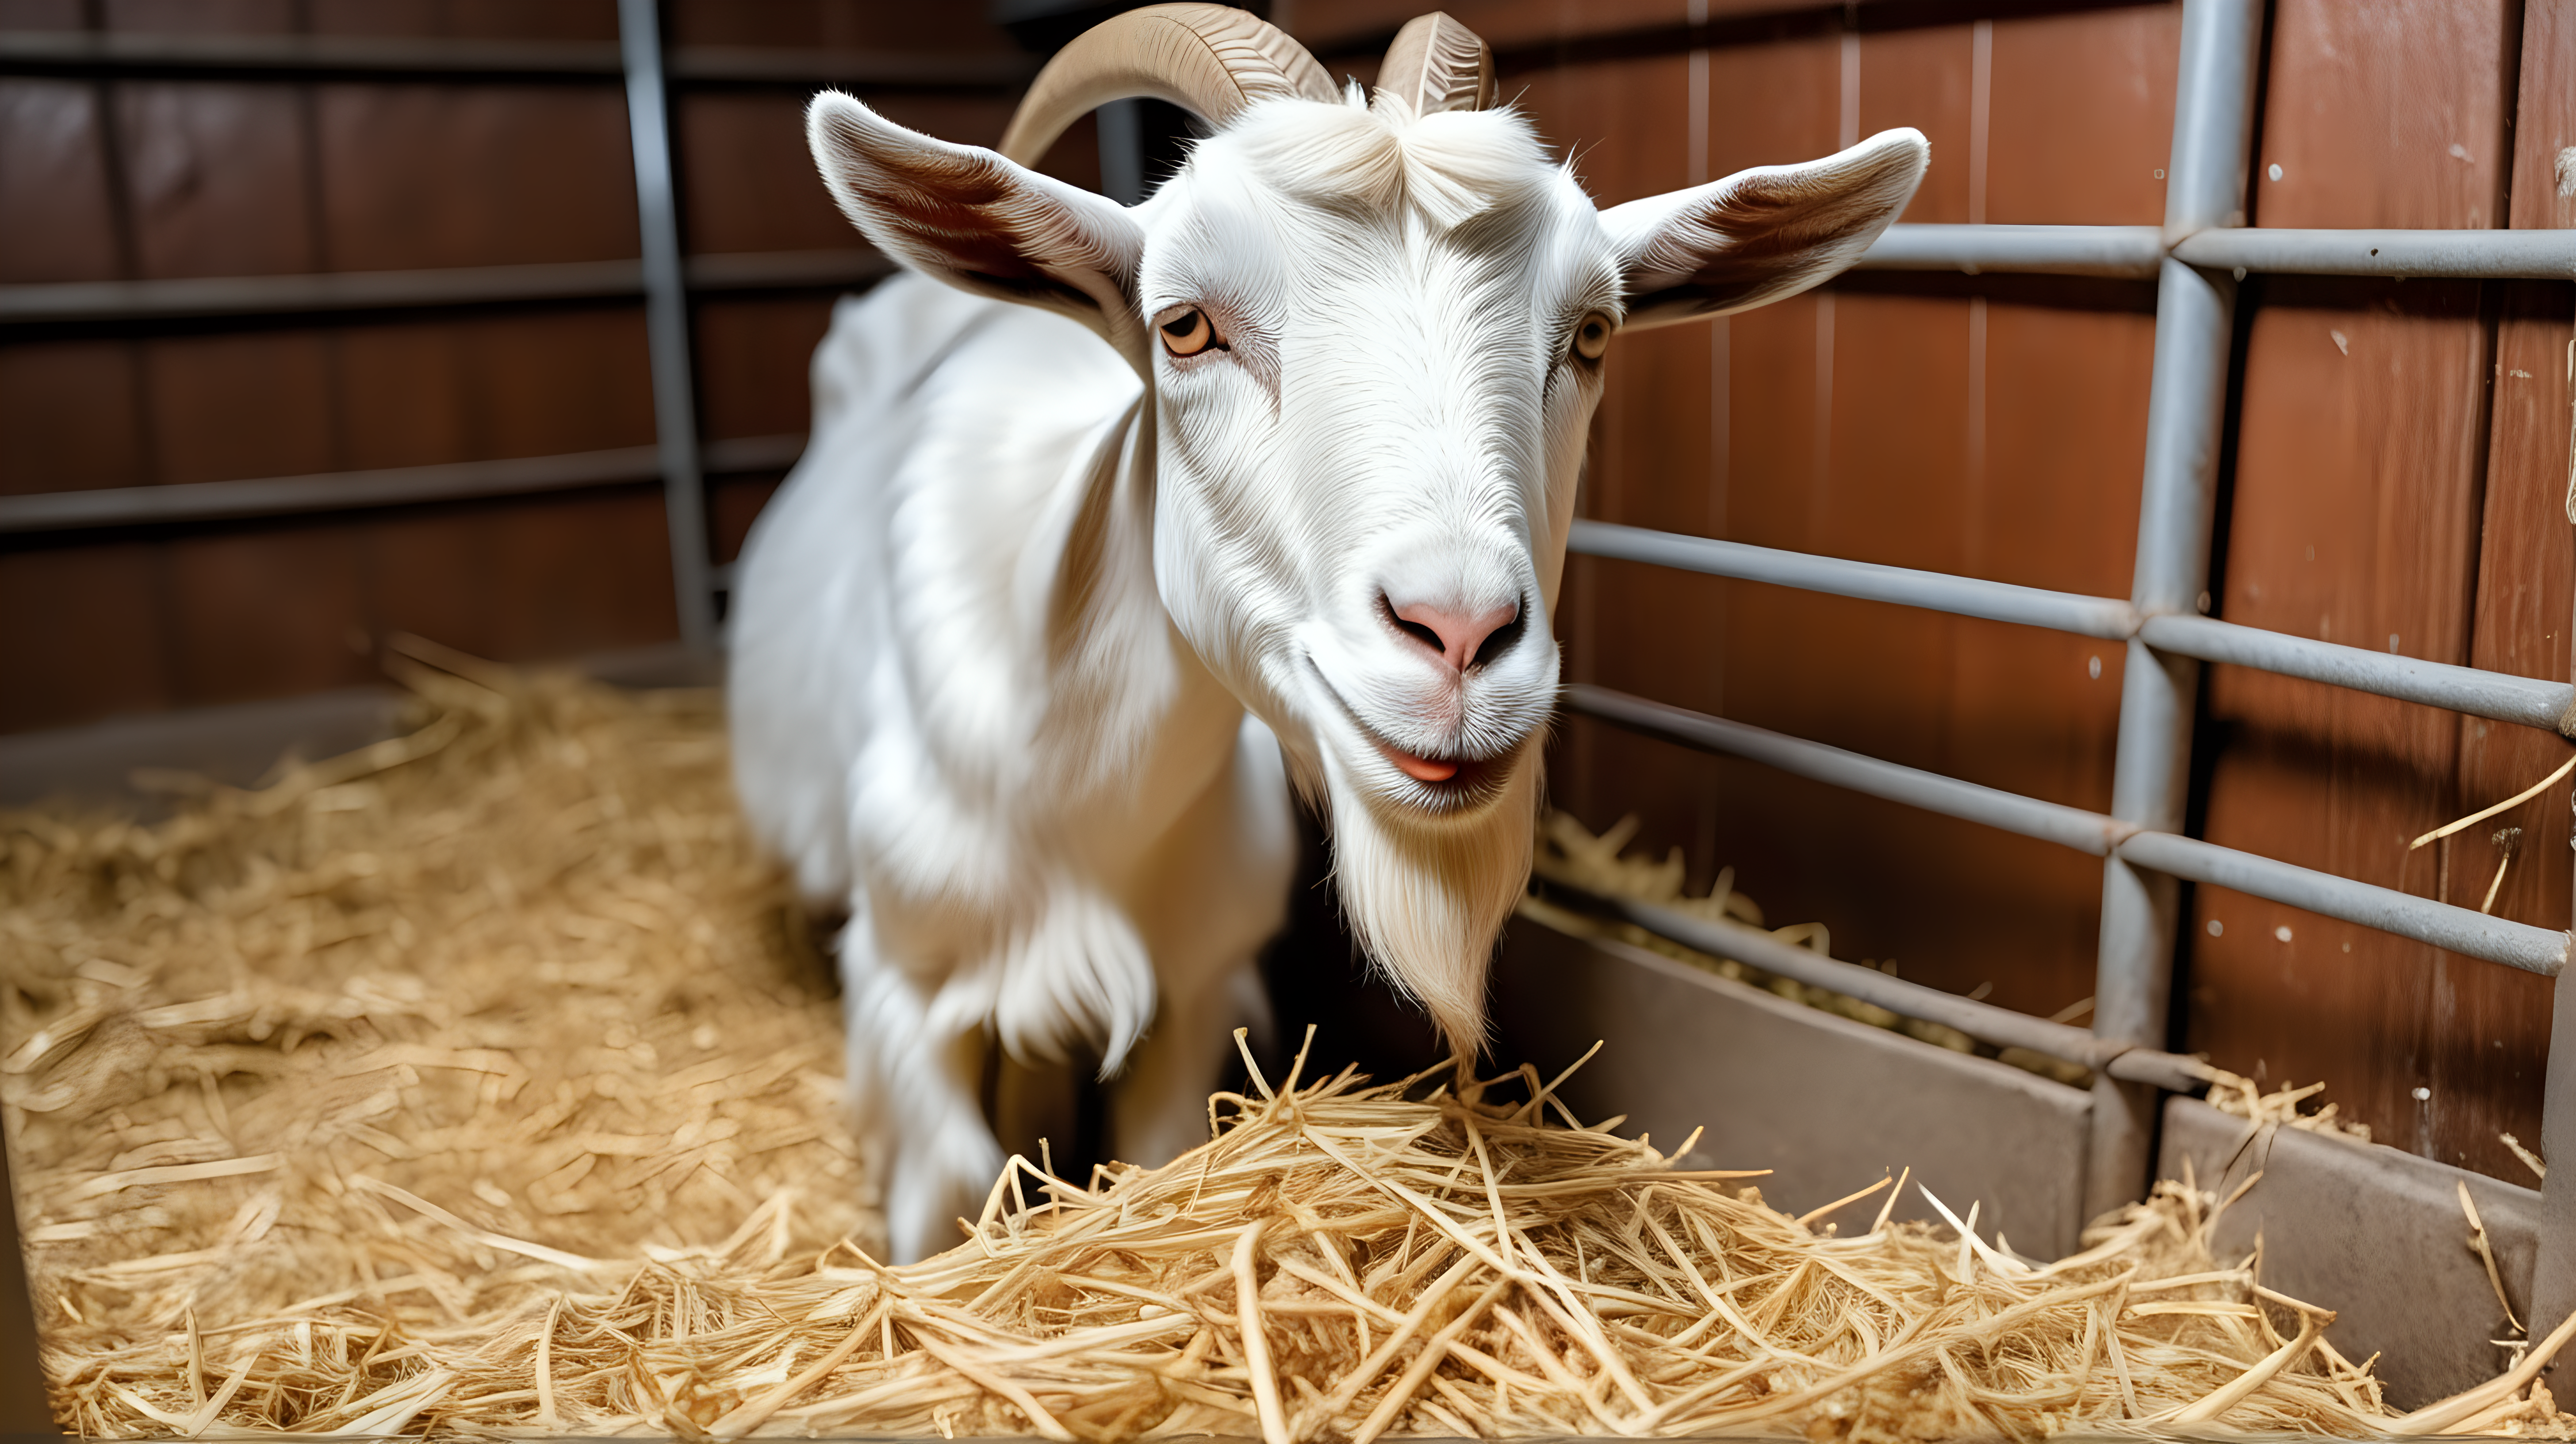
(251, 296)
(115, 52)
(2073, 827)
(2167, 855)
(2486, 255)
(2456, 929)
(2129, 251)
(207, 501)
(2135, 251)
(2133, 980)
(24, 51)
(78, 301)
(666, 322)
(2499, 696)
(1982, 1021)
(2496, 695)
(784, 270)
(2104, 617)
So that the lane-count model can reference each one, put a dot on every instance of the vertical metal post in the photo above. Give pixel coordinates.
(2213, 135)
(1122, 151)
(666, 321)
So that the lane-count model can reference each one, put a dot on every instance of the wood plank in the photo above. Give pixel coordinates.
(2356, 517)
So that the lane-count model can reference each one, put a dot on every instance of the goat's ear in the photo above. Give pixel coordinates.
(980, 223)
(1762, 234)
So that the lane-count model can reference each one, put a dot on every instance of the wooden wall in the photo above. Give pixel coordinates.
(2396, 468)
(182, 176)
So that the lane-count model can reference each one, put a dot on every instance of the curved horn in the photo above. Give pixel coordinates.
(1211, 60)
(1438, 64)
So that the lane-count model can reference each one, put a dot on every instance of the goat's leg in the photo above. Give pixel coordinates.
(916, 1098)
(1158, 1107)
(1223, 876)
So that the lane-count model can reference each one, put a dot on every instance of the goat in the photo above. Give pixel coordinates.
(1119, 526)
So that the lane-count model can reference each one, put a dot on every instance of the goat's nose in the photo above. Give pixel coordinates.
(1462, 638)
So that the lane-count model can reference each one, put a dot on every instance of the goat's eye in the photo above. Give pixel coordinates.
(1592, 336)
(1188, 333)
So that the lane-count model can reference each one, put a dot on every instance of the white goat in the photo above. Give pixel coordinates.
(1297, 436)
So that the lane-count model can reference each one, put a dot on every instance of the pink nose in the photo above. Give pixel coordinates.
(1459, 637)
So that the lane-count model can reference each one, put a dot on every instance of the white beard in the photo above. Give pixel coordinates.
(1429, 896)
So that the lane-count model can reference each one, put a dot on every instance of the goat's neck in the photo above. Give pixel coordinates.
(1136, 726)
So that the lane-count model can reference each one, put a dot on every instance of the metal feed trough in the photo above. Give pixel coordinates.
(2372, 1231)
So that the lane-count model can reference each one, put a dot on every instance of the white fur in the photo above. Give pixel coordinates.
(997, 639)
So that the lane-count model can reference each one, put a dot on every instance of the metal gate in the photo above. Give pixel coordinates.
(2203, 249)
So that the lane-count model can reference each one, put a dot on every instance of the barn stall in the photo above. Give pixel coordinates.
(492, 330)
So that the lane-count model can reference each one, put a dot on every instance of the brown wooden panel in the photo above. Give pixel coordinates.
(542, 578)
(83, 639)
(476, 19)
(257, 404)
(2544, 122)
(2080, 117)
(216, 178)
(53, 184)
(2386, 114)
(474, 175)
(836, 24)
(473, 389)
(2525, 600)
(1329, 25)
(1922, 78)
(266, 612)
(747, 181)
(41, 14)
(67, 417)
(753, 356)
(2355, 519)
(199, 16)
(2359, 502)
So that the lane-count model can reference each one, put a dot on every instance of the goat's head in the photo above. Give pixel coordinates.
(1371, 333)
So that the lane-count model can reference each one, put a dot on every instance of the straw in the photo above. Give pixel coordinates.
(500, 1040)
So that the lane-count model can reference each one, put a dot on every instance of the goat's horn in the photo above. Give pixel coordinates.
(1211, 60)
(1438, 64)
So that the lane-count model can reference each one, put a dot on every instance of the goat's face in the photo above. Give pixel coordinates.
(1376, 344)
(1372, 344)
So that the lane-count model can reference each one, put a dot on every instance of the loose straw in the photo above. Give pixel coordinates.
(507, 1021)
(2517, 800)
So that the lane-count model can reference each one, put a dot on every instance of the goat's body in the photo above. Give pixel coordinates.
(961, 712)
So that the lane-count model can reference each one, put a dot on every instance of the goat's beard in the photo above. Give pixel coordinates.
(1428, 896)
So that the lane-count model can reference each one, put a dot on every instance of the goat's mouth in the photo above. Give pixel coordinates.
(1447, 782)
(1442, 772)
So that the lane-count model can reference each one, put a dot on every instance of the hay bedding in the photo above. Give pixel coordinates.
(477, 1083)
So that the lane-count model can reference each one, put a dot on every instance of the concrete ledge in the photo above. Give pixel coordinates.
(2373, 1233)
(1832, 1104)
(240, 744)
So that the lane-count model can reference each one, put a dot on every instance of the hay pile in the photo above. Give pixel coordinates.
(393, 1048)
(476, 1083)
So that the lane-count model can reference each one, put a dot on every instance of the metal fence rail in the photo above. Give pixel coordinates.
(2497, 940)
(2138, 252)
(2499, 696)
